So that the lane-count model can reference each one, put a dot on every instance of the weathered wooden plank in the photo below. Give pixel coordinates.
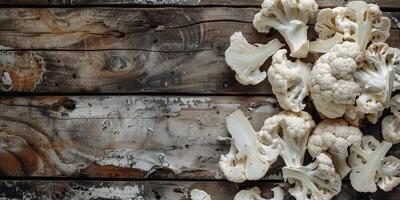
(126, 71)
(149, 190)
(186, 59)
(120, 71)
(321, 3)
(124, 136)
(148, 29)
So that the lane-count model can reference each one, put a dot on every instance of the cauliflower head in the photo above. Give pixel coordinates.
(358, 22)
(289, 18)
(334, 136)
(289, 81)
(395, 105)
(366, 161)
(291, 130)
(332, 86)
(318, 180)
(246, 59)
(197, 194)
(255, 194)
(391, 129)
(247, 159)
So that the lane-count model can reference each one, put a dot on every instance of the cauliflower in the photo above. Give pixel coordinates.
(318, 180)
(369, 165)
(334, 136)
(254, 194)
(247, 159)
(324, 46)
(291, 130)
(368, 104)
(391, 123)
(396, 68)
(395, 105)
(389, 173)
(377, 76)
(331, 83)
(357, 22)
(199, 195)
(289, 81)
(246, 59)
(391, 129)
(290, 18)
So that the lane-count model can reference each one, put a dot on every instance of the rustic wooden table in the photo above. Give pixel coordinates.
(125, 99)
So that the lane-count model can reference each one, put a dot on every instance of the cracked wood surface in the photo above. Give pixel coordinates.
(321, 3)
(134, 50)
(149, 190)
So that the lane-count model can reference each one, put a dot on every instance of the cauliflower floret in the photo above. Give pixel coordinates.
(289, 81)
(377, 76)
(391, 129)
(317, 180)
(367, 104)
(389, 173)
(290, 18)
(291, 130)
(246, 59)
(332, 86)
(358, 22)
(255, 194)
(366, 161)
(334, 136)
(196, 194)
(247, 159)
(395, 105)
(396, 68)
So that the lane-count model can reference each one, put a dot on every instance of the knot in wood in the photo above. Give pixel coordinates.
(117, 63)
(6, 82)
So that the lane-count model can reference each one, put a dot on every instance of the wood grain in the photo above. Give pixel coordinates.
(147, 29)
(120, 136)
(115, 50)
(149, 190)
(321, 3)
(125, 136)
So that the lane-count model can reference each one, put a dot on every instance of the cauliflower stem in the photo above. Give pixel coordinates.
(247, 159)
(246, 59)
(366, 160)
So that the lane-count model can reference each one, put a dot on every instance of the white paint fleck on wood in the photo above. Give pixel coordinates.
(120, 193)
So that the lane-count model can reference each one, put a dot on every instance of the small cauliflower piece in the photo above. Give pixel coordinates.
(391, 129)
(246, 59)
(396, 68)
(367, 161)
(334, 136)
(331, 83)
(357, 22)
(291, 130)
(391, 123)
(255, 194)
(389, 174)
(289, 81)
(290, 18)
(197, 194)
(368, 104)
(247, 159)
(376, 77)
(395, 105)
(318, 180)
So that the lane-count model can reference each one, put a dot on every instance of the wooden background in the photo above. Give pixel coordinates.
(126, 99)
